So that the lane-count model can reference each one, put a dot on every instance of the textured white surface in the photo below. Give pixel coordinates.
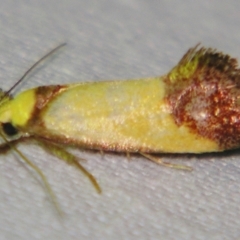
(116, 40)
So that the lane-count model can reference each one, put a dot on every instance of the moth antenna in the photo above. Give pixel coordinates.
(32, 67)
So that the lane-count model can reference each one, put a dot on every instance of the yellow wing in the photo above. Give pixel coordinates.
(195, 108)
(124, 116)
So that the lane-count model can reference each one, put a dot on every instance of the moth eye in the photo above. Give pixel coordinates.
(9, 129)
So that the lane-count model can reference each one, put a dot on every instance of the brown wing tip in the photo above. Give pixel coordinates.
(204, 93)
(204, 59)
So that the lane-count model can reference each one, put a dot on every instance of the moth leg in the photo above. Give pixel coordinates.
(101, 152)
(165, 164)
(5, 147)
(11, 145)
(69, 158)
(128, 156)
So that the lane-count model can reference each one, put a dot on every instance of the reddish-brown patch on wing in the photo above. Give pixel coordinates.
(208, 101)
(44, 94)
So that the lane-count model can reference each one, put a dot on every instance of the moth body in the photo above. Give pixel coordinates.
(195, 108)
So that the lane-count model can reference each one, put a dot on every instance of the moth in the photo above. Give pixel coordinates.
(195, 108)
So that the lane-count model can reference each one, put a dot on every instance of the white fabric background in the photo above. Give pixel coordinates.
(115, 40)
